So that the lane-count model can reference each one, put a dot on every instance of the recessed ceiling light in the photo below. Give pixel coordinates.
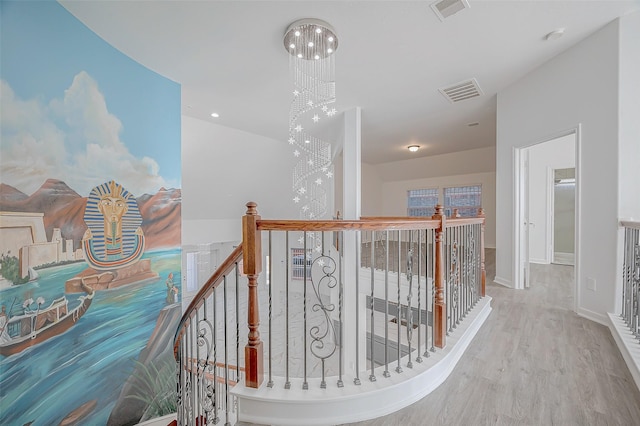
(215, 115)
(413, 148)
(555, 34)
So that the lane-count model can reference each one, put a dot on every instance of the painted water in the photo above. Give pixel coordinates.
(90, 361)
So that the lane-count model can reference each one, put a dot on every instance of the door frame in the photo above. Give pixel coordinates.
(519, 216)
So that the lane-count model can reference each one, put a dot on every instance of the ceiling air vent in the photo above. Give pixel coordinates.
(461, 91)
(446, 8)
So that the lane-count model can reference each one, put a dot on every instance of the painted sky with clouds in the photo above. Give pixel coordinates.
(76, 109)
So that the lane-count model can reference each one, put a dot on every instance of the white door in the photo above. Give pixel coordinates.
(523, 181)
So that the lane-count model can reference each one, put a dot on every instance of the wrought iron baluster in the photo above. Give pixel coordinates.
(198, 388)
(287, 383)
(340, 307)
(409, 310)
(226, 352)
(372, 376)
(419, 257)
(357, 235)
(305, 384)
(399, 307)
(386, 305)
(270, 381)
(237, 314)
(216, 407)
(432, 269)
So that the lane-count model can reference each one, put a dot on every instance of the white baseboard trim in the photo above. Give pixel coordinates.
(352, 403)
(503, 281)
(564, 258)
(539, 261)
(628, 345)
(593, 316)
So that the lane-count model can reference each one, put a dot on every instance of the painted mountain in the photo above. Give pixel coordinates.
(64, 208)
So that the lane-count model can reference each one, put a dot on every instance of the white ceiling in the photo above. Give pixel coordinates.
(393, 56)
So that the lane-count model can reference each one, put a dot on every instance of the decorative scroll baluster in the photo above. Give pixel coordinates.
(324, 339)
(409, 311)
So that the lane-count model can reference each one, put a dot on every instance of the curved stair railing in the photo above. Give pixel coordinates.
(347, 306)
(206, 348)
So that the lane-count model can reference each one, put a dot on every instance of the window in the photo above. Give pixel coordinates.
(467, 199)
(421, 202)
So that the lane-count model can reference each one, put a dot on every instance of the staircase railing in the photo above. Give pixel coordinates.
(342, 299)
(630, 311)
(206, 347)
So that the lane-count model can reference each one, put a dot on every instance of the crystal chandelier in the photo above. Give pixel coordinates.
(311, 44)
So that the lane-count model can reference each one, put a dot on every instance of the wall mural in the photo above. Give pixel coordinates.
(90, 211)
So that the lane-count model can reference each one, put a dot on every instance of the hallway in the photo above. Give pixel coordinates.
(534, 362)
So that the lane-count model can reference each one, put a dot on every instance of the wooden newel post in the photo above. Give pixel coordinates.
(483, 271)
(252, 266)
(440, 307)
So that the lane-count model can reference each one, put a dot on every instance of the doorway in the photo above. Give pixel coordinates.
(535, 182)
(563, 216)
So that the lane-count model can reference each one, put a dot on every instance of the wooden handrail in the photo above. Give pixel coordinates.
(345, 225)
(431, 223)
(207, 289)
(630, 224)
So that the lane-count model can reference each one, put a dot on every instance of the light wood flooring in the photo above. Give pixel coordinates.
(533, 362)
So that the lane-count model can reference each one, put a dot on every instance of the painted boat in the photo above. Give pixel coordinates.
(35, 326)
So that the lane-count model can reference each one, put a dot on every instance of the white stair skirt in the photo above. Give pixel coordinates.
(331, 406)
(628, 345)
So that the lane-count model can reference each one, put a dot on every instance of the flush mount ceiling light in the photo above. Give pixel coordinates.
(215, 115)
(555, 34)
(311, 44)
(413, 148)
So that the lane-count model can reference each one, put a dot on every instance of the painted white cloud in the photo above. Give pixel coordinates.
(74, 139)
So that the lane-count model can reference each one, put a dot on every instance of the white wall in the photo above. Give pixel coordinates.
(385, 186)
(543, 158)
(579, 86)
(629, 156)
(223, 169)
(394, 196)
(371, 191)
(458, 163)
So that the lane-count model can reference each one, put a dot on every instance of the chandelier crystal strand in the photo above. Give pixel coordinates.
(311, 44)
